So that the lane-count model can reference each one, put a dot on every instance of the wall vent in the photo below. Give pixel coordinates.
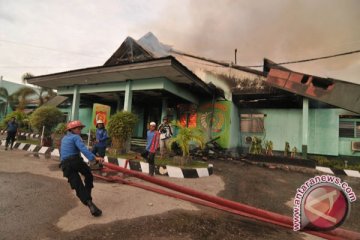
(355, 146)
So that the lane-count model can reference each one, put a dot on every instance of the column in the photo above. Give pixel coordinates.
(119, 102)
(305, 127)
(128, 96)
(75, 103)
(164, 108)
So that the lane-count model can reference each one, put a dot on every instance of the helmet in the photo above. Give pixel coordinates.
(152, 124)
(99, 122)
(74, 124)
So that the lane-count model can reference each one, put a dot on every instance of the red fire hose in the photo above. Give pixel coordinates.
(223, 204)
(202, 202)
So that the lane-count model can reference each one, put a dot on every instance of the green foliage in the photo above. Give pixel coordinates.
(185, 135)
(21, 97)
(60, 128)
(287, 149)
(269, 146)
(256, 146)
(7, 100)
(293, 152)
(336, 162)
(47, 116)
(21, 119)
(26, 76)
(120, 128)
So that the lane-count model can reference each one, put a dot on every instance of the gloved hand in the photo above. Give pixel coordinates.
(99, 159)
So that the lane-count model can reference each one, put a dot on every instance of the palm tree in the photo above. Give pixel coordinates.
(49, 92)
(186, 135)
(4, 101)
(21, 96)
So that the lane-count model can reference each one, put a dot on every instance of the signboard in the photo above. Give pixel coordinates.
(100, 112)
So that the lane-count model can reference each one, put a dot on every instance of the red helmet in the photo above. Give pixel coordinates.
(74, 124)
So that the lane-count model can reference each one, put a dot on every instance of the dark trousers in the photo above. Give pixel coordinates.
(99, 151)
(71, 168)
(10, 138)
(151, 161)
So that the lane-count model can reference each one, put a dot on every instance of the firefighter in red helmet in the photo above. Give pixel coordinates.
(72, 164)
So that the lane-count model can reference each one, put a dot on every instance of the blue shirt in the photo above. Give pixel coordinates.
(72, 145)
(12, 127)
(101, 136)
(150, 136)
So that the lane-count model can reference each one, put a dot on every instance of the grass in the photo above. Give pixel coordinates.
(162, 162)
(337, 162)
(30, 141)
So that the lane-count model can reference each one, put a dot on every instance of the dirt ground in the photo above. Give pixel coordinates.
(36, 203)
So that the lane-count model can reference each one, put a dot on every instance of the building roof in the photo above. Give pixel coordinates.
(208, 70)
(335, 92)
(167, 67)
(150, 58)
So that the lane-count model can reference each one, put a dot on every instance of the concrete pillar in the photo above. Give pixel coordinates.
(164, 108)
(305, 127)
(119, 102)
(75, 103)
(128, 96)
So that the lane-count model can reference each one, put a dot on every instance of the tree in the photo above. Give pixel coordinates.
(4, 101)
(120, 129)
(21, 97)
(42, 98)
(185, 136)
(48, 117)
(21, 119)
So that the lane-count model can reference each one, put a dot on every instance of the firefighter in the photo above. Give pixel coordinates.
(101, 138)
(72, 164)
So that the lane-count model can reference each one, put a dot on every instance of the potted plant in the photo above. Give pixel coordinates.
(120, 129)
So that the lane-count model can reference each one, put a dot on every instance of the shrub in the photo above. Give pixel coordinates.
(120, 129)
(46, 116)
(60, 128)
(269, 146)
(256, 146)
(184, 136)
(21, 118)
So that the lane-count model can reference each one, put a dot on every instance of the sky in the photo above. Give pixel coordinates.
(49, 36)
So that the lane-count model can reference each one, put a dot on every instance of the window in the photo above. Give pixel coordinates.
(349, 128)
(252, 123)
(346, 129)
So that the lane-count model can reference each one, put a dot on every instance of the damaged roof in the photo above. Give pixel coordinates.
(209, 71)
(335, 92)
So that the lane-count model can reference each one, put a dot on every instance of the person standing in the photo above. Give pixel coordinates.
(72, 164)
(12, 128)
(152, 144)
(165, 135)
(101, 138)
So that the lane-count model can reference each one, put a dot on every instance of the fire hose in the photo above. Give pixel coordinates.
(218, 203)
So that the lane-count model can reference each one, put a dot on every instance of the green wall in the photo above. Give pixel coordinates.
(85, 116)
(221, 120)
(234, 127)
(345, 146)
(324, 131)
(283, 125)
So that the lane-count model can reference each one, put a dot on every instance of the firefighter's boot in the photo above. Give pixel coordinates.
(95, 211)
